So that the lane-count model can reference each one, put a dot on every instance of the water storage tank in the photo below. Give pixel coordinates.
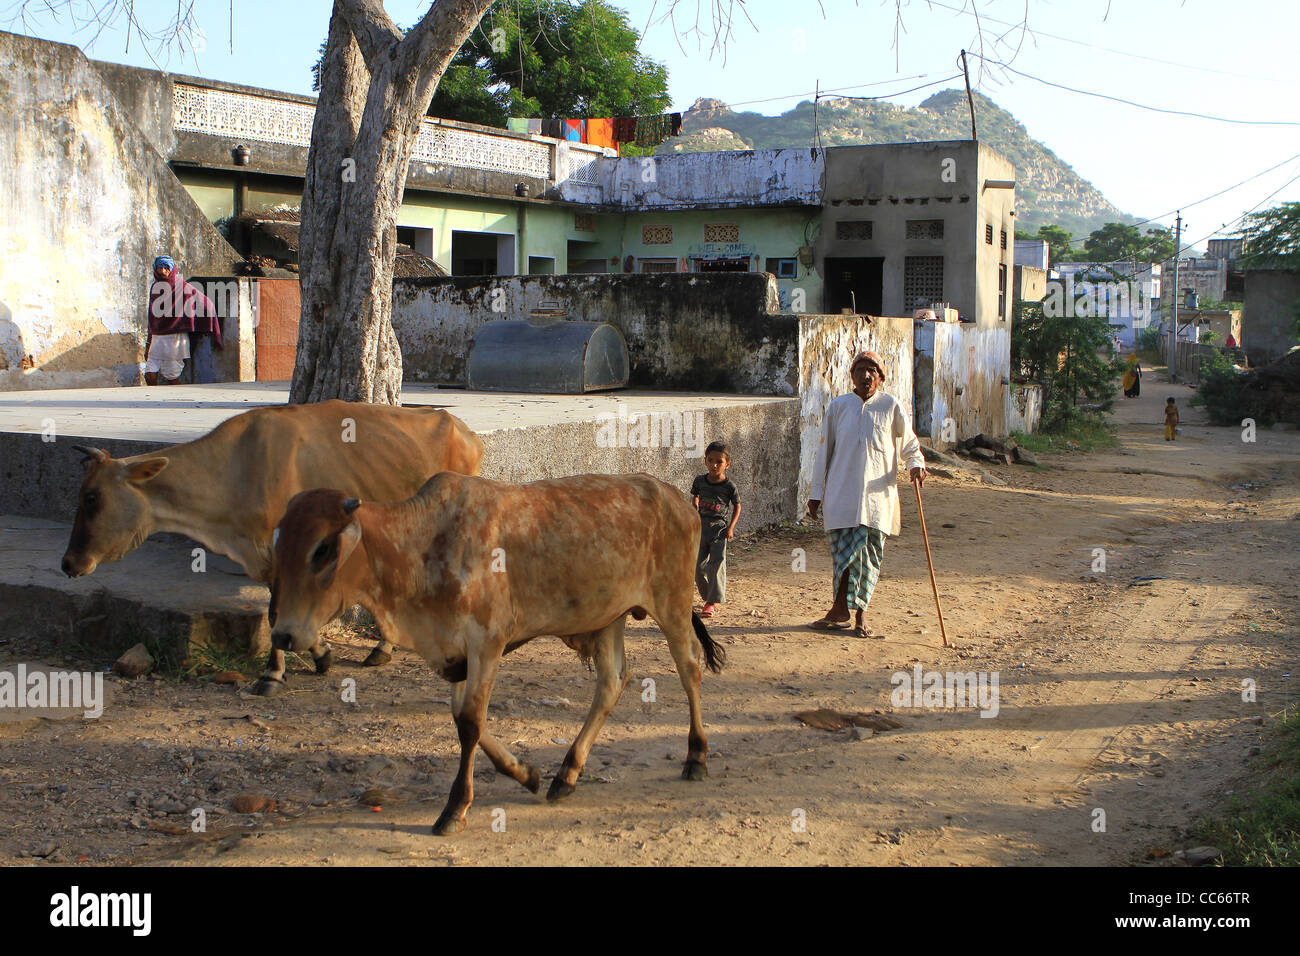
(561, 357)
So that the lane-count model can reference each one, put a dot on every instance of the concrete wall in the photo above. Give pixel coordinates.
(1024, 408)
(1268, 327)
(764, 440)
(707, 333)
(1029, 284)
(771, 177)
(827, 346)
(41, 479)
(891, 184)
(89, 203)
(963, 374)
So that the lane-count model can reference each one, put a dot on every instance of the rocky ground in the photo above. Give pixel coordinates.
(1120, 713)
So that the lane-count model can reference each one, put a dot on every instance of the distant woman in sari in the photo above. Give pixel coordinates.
(1132, 378)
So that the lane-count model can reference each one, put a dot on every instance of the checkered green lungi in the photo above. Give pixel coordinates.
(859, 551)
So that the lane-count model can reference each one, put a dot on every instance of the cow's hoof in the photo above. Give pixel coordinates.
(448, 824)
(694, 770)
(377, 658)
(324, 661)
(534, 781)
(266, 687)
(559, 789)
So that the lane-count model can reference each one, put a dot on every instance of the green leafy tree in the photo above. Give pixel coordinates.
(1058, 242)
(1273, 238)
(1070, 356)
(551, 58)
(1116, 241)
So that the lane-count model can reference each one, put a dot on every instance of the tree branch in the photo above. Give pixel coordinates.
(428, 49)
(374, 30)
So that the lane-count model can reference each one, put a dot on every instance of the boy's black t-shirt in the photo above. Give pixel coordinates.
(715, 500)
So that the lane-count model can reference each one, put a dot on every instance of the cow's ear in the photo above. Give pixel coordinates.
(349, 538)
(142, 471)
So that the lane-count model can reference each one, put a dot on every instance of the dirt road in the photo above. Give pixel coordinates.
(1120, 691)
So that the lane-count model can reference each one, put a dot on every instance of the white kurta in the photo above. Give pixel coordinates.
(856, 471)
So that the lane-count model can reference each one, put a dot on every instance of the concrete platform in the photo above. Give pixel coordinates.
(151, 593)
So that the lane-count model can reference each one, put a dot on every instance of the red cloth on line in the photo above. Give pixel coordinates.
(176, 306)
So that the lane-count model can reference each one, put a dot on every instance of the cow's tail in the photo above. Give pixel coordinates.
(714, 654)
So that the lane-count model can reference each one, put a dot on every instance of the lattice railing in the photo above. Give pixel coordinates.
(583, 167)
(265, 119)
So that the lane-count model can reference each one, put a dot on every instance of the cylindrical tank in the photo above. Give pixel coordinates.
(562, 357)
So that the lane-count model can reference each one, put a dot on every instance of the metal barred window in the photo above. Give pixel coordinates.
(853, 230)
(924, 229)
(922, 281)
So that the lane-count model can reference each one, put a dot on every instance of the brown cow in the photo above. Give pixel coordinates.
(227, 489)
(469, 569)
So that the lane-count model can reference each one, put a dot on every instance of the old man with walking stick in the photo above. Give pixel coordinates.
(854, 484)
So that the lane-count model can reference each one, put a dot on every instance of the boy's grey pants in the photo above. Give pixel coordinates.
(711, 566)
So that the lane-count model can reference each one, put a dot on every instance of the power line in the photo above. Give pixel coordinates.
(1143, 106)
(858, 86)
(1189, 205)
(1095, 46)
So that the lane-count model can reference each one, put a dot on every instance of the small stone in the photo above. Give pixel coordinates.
(1198, 856)
(862, 733)
(252, 803)
(134, 662)
(903, 757)
(1023, 457)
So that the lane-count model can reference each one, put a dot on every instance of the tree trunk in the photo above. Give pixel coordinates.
(375, 88)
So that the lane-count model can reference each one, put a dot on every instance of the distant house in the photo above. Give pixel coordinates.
(1126, 293)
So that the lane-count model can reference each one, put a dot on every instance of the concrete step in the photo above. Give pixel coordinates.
(153, 595)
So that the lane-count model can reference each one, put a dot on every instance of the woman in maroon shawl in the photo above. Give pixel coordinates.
(176, 309)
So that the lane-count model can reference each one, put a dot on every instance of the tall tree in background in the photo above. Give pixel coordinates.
(551, 58)
(1272, 238)
(1058, 241)
(1116, 241)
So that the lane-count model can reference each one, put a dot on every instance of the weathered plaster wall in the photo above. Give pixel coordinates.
(89, 204)
(976, 361)
(1268, 326)
(827, 346)
(707, 333)
(770, 177)
(1024, 408)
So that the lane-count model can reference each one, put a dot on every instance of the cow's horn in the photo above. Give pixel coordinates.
(350, 505)
(96, 453)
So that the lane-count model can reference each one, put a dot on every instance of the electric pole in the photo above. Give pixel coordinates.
(1173, 342)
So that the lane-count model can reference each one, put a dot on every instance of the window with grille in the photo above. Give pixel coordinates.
(658, 265)
(924, 229)
(584, 222)
(922, 281)
(1004, 238)
(854, 230)
(656, 235)
(988, 235)
(721, 232)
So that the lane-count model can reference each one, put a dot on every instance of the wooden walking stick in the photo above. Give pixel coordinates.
(920, 510)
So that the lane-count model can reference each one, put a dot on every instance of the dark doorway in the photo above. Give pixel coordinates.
(855, 283)
(474, 254)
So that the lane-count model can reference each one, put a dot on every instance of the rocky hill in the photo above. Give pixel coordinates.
(1047, 189)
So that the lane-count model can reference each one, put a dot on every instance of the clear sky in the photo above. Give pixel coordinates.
(1233, 60)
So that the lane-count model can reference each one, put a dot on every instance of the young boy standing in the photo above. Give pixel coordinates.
(718, 502)
(1171, 420)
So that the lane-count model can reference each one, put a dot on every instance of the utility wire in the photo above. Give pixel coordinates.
(1143, 106)
(1096, 46)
